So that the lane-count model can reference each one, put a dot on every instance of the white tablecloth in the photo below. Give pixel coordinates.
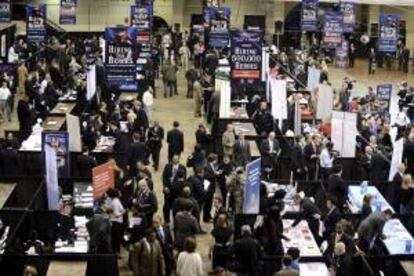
(302, 238)
(399, 240)
(312, 269)
(356, 196)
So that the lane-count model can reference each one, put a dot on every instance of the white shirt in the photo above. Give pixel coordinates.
(189, 264)
(402, 119)
(325, 159)
(118, 210)
(4, 93)
(148, 98)
(13, 57)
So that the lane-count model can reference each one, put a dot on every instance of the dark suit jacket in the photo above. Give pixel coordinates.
(346, 239)
(268, 158)
(309, 151)
(330, 220)
(338, 188)
(155, 137)
(85, 165)
(197, 187)
(241, 154)
(395, 190)
(168, 173)
(298, 158)
(166, 243)
(175, 140)
(136, 152)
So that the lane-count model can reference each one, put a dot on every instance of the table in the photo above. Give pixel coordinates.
(53, 123)
(355, 198)
(247, 128)
(408, 267)
(311, 269)
(300, 237)
(65, 268)
(80, 244)
(128, 96)
(83, 195)
(70, 96)
(254, 150)
(63, 108)
(239, 114)
(105, 144)
(398, 241)
(6, 189)
(290, 205)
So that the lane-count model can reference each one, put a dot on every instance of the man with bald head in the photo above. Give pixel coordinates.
(343, 261)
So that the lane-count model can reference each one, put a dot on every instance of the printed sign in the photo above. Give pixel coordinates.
(103, 178)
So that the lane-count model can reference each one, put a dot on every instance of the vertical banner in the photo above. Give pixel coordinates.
(397, 155)
(142, 15)
(350, 133)
(59, 141)
(120, 60)
(279, 99)
(103, 178)
(309, 16)
(222, 84)
(314, 77)
(251, 203)
(217, 23)
(91, 82)
(52, 187)
(388, 32)
(341, 55)
(348, 10)
(36, 23)
(246, 54)
(67, 12)
(73, 127)
(218, 36)
(5, 12)
(337, 133)
(384, 96)
(333, 29)
(324, 99)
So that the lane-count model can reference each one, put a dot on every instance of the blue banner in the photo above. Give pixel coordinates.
(121, 56)
(384, 92)
(59, 141)
(341, 55)
(246, 54)
(348, 10)
(251, 203)
(218, 36)
(5, 14)
(36, 23)
(309, 16)
(333, 29)
(142, 16)
(217, 22)
(68, 12)
(388, 32)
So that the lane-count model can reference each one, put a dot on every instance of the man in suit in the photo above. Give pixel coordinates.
(164, 237)
(298, 162)
(85, 163)
(309, 212)
(371, 228)
(247, 252)
(396, 186)
(332, 216)
(270, 151)
(24, 114)
(169, 176)
(196, 183)
(263, 119)
(228, 140)
(287, 269)
(343, 261)
(185, 225)
(339, 235)
(241, 151)
(146, 200)
(312, 151)
(211, 174)
(155, 137)
(408, 153)
(337, 187)
(175, 140)
(137, 151)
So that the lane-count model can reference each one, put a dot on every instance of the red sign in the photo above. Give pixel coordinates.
(103, 178)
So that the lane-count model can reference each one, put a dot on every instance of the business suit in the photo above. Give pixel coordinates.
(270, 151)
(408, 156)
(137, 151)
(298, 162)
(330, 220)
(308, 210)
(338, 188)
(227, 141)
(85, 165)
(241, 153)
(147, 261)
(370, 228)
(148, 203)
(395, 191)
(211, 175)
(333, 239)
(168, 178)
(379, 168)
(185, 225)
(155, 137)
(175, 140)
(165, 240)
(309, 150)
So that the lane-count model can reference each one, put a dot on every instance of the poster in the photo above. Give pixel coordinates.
(314, 76)
(222, 84)
(73, 127)
(36, 23)
(350, 134)
(384, 96)
(218, 36)
(52, 187)
(142, 16)
(341, 55)
(198, 31)
(251, 203)
(324, 99)
(337, 132)
(347, 8)
(246, 54)
(397, 155)
(68, 12)
(388, 32)
(120, 59)
(59, 141)
(333, 29)
(309, 16)
(103, 178)
(278, 90)
(91, 82)
(5, 12)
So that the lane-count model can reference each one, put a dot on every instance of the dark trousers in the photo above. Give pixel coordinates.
(190, 88)
(166, 209)
(208, 202)
(155, 153)
(171, 153)
(169, 88)
(117, 233)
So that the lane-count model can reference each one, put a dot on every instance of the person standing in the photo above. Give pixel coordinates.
(185, 226)
(169, 77)
(5, 94)
(175, 140)
(352, 54)
(185, 54)
(22, 75)
(117, 211)
(148, 101)
(198, 94)
(164, 237)
(372, 64)
(247, 252)
(241, 151)
(155, 137)
(228, 140)
(189, 262)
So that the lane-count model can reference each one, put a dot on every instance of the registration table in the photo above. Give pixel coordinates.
(301, 237)
(63, 108)
(398, 241)
(290, 206)
(70, 96)
(246, 128)
(357, 193)
(80, 244)
(53, 123)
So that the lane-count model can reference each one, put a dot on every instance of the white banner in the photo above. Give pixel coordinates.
(73, 127)
(91, 82)
(314, 76)
(325, 101)
(51, 178)
(279, 99)
(225, 98)
(337, 130)
(265, 63)
(397, 156)
(350, 133)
